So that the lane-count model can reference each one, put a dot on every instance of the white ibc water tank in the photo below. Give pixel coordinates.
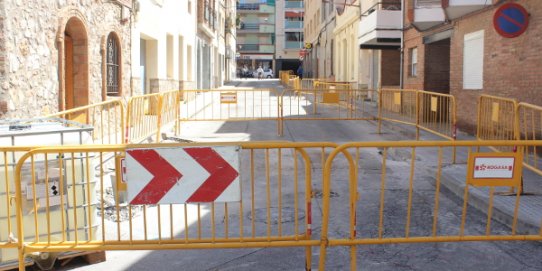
(43, 194)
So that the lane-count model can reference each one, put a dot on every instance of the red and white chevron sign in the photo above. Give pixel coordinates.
(183, 175)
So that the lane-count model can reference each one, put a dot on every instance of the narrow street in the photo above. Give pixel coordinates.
(424, 256)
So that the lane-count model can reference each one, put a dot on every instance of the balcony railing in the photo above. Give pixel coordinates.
(255, 7)
(256, 48)
(250, 26)
(293, 45)
(457, 8)
(428, 13)
(428, 3)
(249, 47)
(207, 19)
(293, 24)
(256, 28)
(380, 26)
(294, 4)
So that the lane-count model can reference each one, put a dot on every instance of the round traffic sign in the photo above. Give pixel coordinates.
(511, 20)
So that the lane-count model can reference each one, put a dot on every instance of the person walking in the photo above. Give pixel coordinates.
(300, 71)
(260, 72)
(244, 72)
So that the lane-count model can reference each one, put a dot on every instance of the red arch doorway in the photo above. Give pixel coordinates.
(76, 71)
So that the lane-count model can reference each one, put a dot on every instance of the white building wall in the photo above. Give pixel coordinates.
(155, 21)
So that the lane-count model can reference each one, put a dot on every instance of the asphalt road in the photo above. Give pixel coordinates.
(424, 256)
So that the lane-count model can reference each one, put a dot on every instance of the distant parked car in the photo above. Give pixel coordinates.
(267, 73)
(246, 74)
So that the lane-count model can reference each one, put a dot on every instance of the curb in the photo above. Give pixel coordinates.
(480, 201)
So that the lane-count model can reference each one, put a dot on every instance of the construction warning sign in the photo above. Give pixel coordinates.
(183, 175)
(228, 97)
(494, 169)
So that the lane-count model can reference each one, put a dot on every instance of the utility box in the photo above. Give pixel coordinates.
(58, 190)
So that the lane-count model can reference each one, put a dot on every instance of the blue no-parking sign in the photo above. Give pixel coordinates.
(511, 20)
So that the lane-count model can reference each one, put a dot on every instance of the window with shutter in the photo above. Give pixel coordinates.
(413, 62)
(473, 60)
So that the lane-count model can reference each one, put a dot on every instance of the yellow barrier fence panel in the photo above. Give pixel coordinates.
(399, 204)
(437, 114)
(530, 128)
(497, 119)
(398, 105)
(106, 118)
(143, 117)
(292, 79)
(170, 110)
(68, 199)
(331, 85)
(307, 83)
(232, 105)
(317, 104)
(8, 211)
(285, 76)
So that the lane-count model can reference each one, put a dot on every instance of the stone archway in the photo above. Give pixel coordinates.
(75, 63)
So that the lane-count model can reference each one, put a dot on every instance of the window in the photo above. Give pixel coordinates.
(413, 71)
(473, 60)
(112, 63)
(294, 36)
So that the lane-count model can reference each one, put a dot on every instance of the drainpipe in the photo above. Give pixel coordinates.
(402, 44)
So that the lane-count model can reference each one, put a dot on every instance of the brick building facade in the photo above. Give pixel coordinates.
(56, 55)
(511, 66)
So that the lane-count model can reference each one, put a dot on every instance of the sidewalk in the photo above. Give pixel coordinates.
(454, 181)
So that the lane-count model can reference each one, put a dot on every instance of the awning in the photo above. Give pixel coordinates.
(294, 14)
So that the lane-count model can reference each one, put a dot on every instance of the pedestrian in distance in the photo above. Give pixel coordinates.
(300, 71)
(260, 72)
(244, 72)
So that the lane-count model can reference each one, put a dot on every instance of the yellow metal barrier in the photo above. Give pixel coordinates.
(293, 82)
(398, 105)
(330, 85)
(530, 128)
(314, 104)
(106, 118)
(232, 105)
(143, 117)
(285, 76)
(437, 114)
(497, 119)
(308, 83)
(8, 211)
(170, 111)
(386, 207)
(269, 214)
(275, 209)
(430, 111)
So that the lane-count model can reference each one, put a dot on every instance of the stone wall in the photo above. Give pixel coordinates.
(31, 33)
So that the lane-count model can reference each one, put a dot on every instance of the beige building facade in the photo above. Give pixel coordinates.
(256, 39)
(319, 38)
(212, 41)
(289, 22)
(345, 42)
